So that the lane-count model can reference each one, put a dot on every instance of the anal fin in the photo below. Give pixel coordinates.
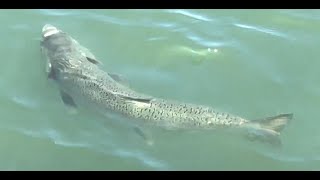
(145, 135)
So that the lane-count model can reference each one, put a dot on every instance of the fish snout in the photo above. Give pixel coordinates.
(48, 30)
(47, 27)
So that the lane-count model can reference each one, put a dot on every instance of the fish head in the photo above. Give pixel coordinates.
(53, 38)
(55, 47)
(49, 30)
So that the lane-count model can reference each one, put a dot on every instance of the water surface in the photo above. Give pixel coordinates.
(253, 63)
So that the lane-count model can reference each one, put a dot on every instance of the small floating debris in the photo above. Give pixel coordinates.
(201, 52)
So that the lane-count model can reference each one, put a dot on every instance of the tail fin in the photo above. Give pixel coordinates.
(269, 129)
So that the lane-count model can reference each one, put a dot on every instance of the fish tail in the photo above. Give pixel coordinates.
(268, 130)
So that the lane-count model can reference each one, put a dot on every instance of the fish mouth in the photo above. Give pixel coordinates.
(48, 30)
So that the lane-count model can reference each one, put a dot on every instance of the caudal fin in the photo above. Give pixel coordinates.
(268, 129)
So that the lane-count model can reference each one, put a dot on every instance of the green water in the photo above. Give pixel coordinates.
(253, 63)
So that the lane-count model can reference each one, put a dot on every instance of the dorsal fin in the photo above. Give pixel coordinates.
(142, 100)
(119, 78)
(94, 61)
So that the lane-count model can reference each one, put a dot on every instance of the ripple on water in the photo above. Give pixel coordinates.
(191, 14)
(263, 30)
(53, 135)
(105, 147)
(142, 157)
(25, 102)
(52, 12)
(312, 14)
(287, 158)
(159, 38)
(206, 42)
(109, 19)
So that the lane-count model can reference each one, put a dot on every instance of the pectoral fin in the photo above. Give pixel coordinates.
(67, 99)
(50, 72)
(69, 102)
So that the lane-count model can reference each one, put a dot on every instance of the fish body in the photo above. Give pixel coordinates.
(81, 80)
